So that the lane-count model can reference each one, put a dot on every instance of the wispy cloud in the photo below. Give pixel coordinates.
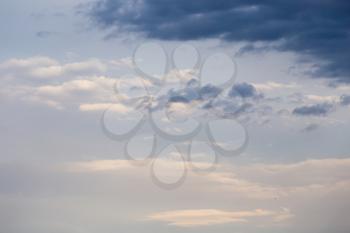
(207, 217)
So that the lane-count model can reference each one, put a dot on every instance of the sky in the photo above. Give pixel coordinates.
(174, 116)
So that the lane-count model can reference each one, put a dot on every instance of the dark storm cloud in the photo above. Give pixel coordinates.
(314, 110)
(319, 28)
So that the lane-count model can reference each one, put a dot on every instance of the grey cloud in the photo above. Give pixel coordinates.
(184, 95)
(209, 91)
(345, 100)
(319, 29)
(211, 96)
(310, 128)
(244, 90)
(314, 110)
(238, 110)
(178, 99)
(44, 34)
(252, 48)
(193, 92)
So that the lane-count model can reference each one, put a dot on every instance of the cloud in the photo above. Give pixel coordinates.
(311, 127)
(314, 110)
(307, 173)
(44, 34)
(244, 90)
(299, 26)
(91, 93)
(45, 68)
(98, 166)
(209, 91)
(126, 62)
(68, 87)
(271, 86)
(214, 99)
(345, 100)
(28, 62)
(192, 92)
(258, 181)
(186, 94)
(303, 196)
(324, 98)
(207, 217)
(89, 66)
(44, 80)
(120, 108)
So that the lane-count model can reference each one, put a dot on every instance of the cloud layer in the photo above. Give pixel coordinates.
(319, 29)
(298, 197)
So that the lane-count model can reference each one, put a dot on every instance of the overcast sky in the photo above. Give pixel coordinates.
(271, 74)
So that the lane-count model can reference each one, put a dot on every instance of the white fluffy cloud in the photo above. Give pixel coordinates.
(45, 67)
(80, 85)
